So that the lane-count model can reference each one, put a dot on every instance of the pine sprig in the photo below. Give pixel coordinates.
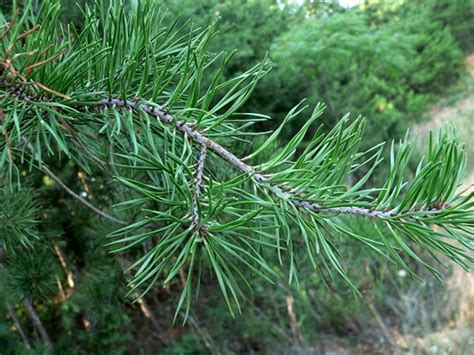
(157, 97)
(18, 218)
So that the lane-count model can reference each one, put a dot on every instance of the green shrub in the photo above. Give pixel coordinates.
(341, 61)
(388, 71)
(437, 61)
(458, 16)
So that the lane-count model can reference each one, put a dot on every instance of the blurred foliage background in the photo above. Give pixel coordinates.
(401, 64)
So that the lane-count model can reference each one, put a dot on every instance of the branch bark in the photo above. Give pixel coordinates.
(197, 190)
(35, 319)
(18, 326)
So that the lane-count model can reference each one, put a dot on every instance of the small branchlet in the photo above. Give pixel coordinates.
(7, 67)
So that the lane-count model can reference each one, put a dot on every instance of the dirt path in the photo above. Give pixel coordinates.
(458, 336)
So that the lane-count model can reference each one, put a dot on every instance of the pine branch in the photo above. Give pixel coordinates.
(189, 130)
(12, 312)
(62, 99)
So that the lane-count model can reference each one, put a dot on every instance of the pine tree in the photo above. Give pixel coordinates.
(142, 106)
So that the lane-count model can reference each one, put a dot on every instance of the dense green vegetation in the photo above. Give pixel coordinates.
(385, 62)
